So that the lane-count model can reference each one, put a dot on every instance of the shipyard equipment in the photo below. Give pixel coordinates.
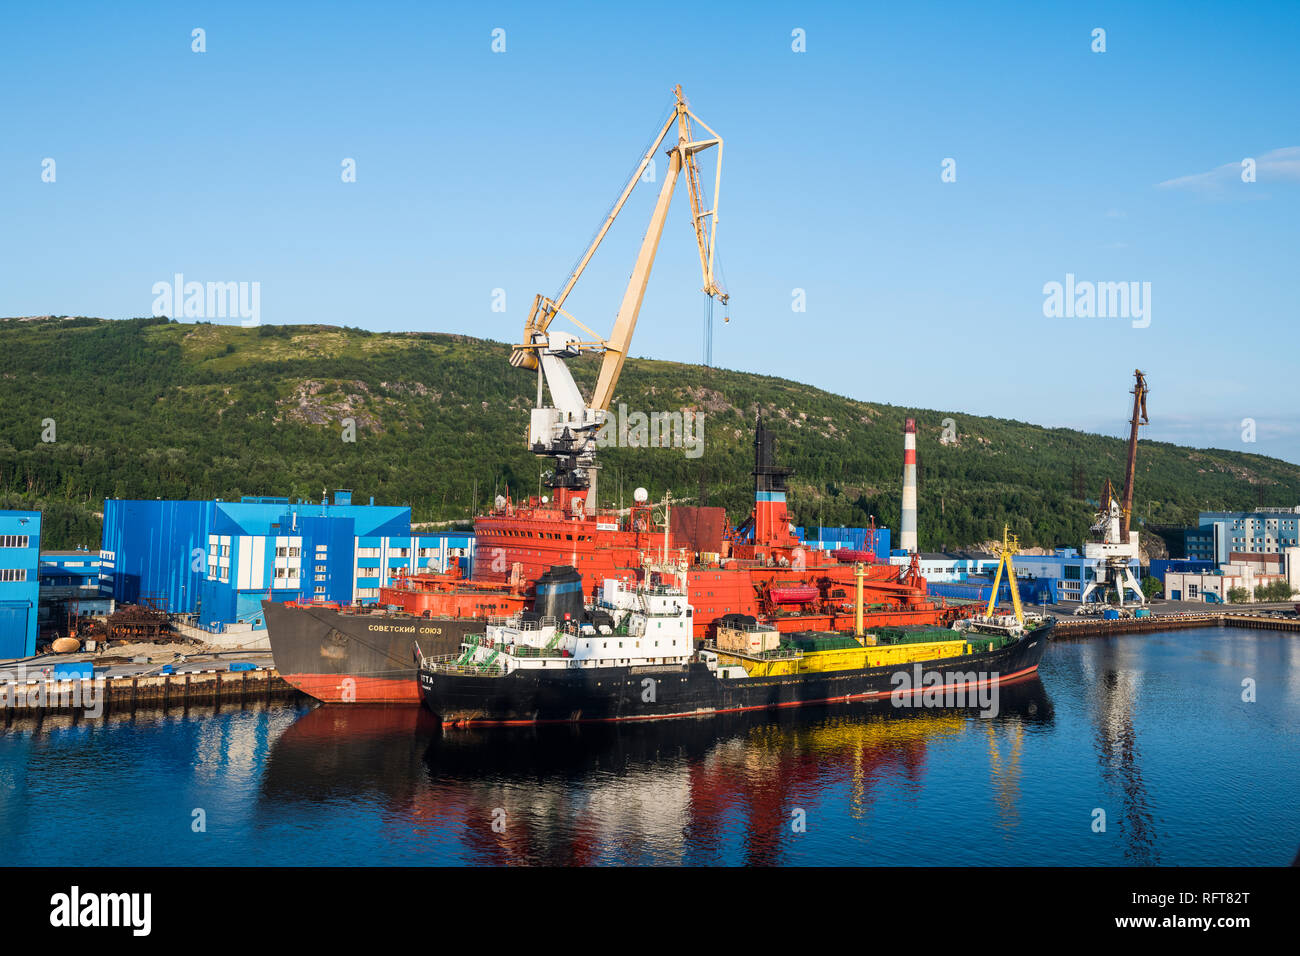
(1010, 546)
(1116, 545)
(565, 430)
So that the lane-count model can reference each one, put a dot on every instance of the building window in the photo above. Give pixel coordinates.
(281, 552)
(13, 574)
(320, 589)
(13, 540)
(294, 552)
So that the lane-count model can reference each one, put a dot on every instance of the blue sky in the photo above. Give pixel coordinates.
(479, 170)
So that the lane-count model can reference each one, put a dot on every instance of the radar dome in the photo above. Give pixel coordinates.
(641, 496)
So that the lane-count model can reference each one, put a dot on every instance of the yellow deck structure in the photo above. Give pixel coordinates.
(849, 658)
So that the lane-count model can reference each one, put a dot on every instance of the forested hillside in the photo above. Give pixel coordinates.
(153, 408)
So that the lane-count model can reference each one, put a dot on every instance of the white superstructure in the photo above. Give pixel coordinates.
(635, 625)
(1114, 557)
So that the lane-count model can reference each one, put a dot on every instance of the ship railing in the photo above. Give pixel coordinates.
(759, 628)
(675, 612)
(432, 661)
(778, 654)
(660, 590)
(521, 624)
(450, 666)
(528, 650)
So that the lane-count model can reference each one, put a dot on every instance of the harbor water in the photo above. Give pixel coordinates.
(1172, 748)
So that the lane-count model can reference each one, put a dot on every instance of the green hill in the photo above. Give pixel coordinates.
(151, 408)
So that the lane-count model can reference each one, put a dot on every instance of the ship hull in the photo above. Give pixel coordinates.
(357, 658)
(566, 695)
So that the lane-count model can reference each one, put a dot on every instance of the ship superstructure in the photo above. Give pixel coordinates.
(631, 656)
(629, 625)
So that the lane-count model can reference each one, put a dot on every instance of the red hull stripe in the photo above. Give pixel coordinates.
(329, 688)
(479, 722)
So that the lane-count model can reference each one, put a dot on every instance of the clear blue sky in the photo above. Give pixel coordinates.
(478, 171)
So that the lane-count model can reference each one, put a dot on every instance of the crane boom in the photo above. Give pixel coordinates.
(1139, 408)
(545, 310)
(625, 321)
(704, 221)
(565, 429)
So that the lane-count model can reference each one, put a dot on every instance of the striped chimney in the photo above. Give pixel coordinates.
(907, 525)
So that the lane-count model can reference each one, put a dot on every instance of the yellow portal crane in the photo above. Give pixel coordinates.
(538, 341)
(1010, 546)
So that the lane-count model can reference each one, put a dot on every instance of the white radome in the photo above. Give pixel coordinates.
(641, 496)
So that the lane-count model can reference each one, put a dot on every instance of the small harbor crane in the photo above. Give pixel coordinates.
(1010, 546)
(1116, 544)
(565, 430)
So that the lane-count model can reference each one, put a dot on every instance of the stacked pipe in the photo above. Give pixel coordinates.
(907, 524)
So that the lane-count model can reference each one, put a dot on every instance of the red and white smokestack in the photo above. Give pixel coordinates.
(907, 524)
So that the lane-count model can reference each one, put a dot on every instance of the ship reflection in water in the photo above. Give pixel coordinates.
(1128, 750)
(743, 788)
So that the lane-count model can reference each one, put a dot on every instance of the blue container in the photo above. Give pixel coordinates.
(242, 666)
(1141, 612)
(167, 669)
(1110, 614)
(83, 670)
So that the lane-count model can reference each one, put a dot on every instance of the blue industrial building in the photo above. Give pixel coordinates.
(1067, 567)
(1032, 590)
(1161, 566)
(1204, 543)
(70, 588)
(219, 560)
(851, 539)
(76, 570)
(1221, 534)
(20, 548)
(948, 566)
(1058, 577)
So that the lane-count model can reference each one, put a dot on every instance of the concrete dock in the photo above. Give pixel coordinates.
(1072, 627)
(35, 686)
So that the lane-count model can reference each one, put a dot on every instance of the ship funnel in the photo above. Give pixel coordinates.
(907, 522)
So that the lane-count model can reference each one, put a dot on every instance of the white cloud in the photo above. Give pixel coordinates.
(1278, 165)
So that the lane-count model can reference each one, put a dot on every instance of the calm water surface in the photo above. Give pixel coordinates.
(1150, 729)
